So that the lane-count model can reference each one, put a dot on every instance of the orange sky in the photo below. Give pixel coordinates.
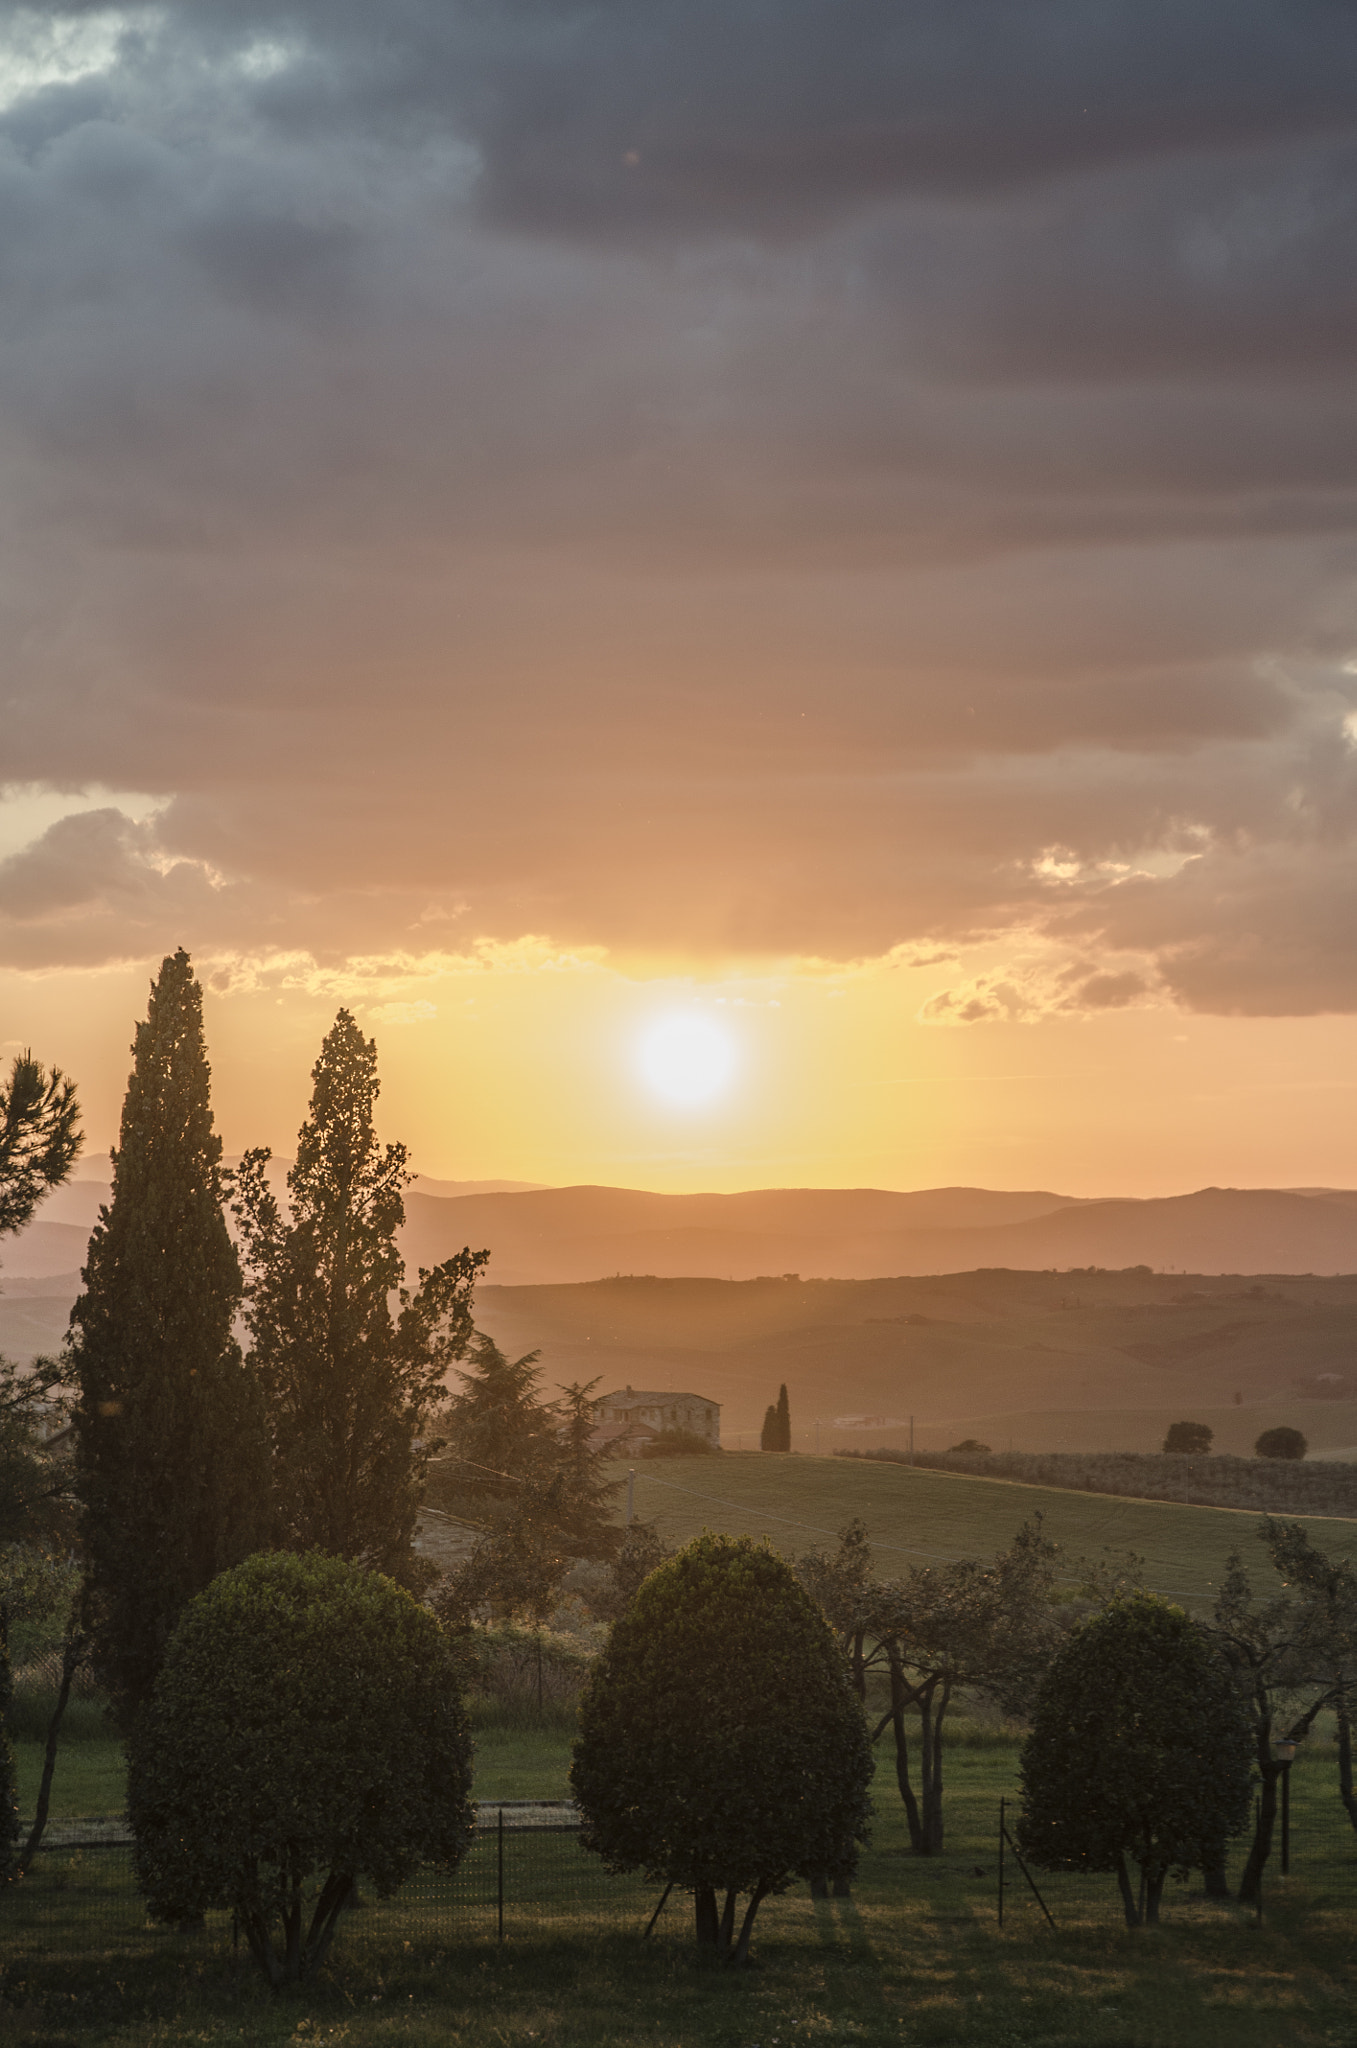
(532, 1072)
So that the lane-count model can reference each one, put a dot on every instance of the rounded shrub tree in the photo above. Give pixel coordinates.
(721, 1747)
(306, 1730)
(1140, 1748)
(1281, 1443)
(1191, 1439)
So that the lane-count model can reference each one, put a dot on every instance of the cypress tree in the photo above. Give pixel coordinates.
(348, 1385)
(170, 1457)
(784, 1421)
(768, 1436)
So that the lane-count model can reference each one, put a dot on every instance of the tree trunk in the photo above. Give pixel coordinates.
(336, 1893)
(259, 1939)
(72, 1656)
(741, 1955)
(708, 1921)
(1251, 1883)
(1128, 1897)
(858, 1665)
(292, 1926)
(930, 1759)
(916, 1832)
(1345, 1791)
(1154, 1887)
(932, 1737)
(727, 1930)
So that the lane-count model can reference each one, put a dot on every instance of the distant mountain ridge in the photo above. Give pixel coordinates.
(568, 1234)
(554, 1235)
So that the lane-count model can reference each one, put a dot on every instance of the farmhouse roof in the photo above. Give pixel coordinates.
(637, 1394)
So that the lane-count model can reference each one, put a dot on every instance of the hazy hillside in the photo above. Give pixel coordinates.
(1076, 1361)
(584, 1233)
(1012, 1345)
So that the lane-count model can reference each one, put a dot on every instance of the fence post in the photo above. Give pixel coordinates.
(500, 1887)
(1001, 1862)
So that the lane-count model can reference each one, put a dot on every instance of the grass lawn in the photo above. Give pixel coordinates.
(88, 1780)
(916, 1957)
(512, 1762)
(913, 1515)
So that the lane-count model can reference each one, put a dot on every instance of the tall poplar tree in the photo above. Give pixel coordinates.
(349, 1385)
(171, 1463)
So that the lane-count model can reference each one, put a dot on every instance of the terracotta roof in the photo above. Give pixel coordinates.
(639, 1396)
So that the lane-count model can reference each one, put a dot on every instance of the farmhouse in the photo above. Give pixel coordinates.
(637, 1413)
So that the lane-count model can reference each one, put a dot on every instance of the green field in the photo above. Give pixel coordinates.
(915, 1959)
(916, 1517)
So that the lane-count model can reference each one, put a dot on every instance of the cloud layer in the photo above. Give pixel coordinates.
(740, 480)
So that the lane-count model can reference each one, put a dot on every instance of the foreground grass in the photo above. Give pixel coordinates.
(916, 1957)
(913, 1515)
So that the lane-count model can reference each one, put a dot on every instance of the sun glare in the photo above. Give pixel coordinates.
(687, 1060)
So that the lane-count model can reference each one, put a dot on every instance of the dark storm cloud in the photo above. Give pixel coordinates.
(646, 113)
(748, 477)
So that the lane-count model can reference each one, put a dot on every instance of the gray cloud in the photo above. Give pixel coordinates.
(938, 447)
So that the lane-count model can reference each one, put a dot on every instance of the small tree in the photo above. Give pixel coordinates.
(1281, 1443)
(581, 1496)
(498, 1434)
(39, 1138)
(1139, 1748)
(307, 1730)
(349, 1387)
(39, 1142)
(171, 1464)
(1192, 1439)
(943, 1628)
(768, 1435)
(720, 1746)
(1293, 1656)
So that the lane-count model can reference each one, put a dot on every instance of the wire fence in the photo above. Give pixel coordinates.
(526, 1878)
(519, 1879)
(1312, 1862)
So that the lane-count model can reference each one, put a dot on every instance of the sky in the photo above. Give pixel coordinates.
(821, 529)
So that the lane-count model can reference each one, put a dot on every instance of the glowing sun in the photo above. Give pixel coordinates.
(688, 1060)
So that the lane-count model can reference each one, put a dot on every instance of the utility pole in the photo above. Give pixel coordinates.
(911, 1439)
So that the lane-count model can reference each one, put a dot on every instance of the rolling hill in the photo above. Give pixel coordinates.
(1019, 1340)
(917, 1517)
(1038, 1360)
